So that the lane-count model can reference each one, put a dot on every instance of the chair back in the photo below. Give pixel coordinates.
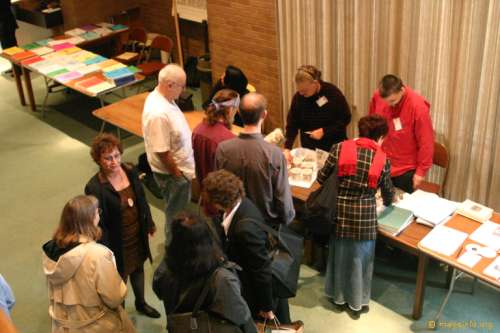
(138, 35)
(162, 43)
(440, 157)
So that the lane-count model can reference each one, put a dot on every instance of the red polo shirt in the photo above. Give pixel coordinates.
(409, 146)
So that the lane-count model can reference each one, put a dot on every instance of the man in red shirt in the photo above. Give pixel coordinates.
(410, 141)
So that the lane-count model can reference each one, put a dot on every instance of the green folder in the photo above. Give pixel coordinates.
(394, 219)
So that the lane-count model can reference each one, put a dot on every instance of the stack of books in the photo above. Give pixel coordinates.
(394, 219)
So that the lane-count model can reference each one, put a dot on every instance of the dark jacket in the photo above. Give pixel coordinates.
(223, 300)
(246, 245)
(111, 224)
(306, 115)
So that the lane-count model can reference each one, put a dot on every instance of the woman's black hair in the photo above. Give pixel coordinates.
(192, 252)
(236, 80)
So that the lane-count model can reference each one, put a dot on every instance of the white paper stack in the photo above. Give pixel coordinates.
(75, 32)
(493, 270)
(443, 240)
(98, 88)
(428, 207)
(89, 69)
(488, 234)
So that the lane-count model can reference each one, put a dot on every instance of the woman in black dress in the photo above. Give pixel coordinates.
(126, 220)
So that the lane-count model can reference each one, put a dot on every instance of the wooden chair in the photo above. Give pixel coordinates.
(134, 47)
(150, 68)
(441, 159)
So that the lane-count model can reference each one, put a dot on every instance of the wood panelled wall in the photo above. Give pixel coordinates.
(80, 12)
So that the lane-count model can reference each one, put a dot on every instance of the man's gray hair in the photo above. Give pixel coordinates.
(172, 73)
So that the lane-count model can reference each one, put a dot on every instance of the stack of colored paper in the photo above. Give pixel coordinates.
(120, 76)
(42, 50)
(30, 46)
(13, 50)
(23, 55)
(65, 77)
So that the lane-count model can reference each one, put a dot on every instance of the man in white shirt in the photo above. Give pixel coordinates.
(167, 138)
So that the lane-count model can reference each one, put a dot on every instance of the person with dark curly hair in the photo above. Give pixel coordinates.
(126, 218)
(246, 243)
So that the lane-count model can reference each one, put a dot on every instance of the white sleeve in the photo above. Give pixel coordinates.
(158, 135)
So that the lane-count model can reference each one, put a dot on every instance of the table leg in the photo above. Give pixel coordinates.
(16, 70)
(29, 88)
(420, 286)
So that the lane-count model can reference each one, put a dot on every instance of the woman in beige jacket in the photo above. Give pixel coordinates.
(85, 289)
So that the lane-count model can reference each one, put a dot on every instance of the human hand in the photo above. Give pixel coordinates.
(177, 173)
(288, 156)
(269, 315)
(316, 134)
(417, 181)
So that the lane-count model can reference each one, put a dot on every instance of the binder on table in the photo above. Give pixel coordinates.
(394, 219)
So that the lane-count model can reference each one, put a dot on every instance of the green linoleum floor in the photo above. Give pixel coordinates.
(46, 162)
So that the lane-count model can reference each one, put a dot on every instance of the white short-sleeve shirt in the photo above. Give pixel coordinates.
(165, 129)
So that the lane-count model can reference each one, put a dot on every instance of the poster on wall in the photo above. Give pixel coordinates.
(192, 10)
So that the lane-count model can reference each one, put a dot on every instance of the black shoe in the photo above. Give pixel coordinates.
(364, 309)
(355, 315)
(147, 310)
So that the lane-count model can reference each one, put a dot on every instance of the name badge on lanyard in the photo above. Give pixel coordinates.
(321, 101)
(397, 124)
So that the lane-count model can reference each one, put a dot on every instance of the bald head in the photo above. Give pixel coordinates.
(171, 81)
(252, 108)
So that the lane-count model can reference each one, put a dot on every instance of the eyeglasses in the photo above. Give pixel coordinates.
(110, 158)
(183, 86)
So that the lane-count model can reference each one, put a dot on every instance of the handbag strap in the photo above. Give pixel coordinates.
(200, 299)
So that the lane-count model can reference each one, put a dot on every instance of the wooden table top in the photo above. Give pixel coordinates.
(468, 226)
(127, 114)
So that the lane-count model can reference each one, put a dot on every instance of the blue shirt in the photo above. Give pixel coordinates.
(7, 299)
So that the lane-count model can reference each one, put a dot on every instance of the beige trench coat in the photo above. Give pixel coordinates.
(86, 291)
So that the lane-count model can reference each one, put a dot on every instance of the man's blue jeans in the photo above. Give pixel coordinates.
(177, 192)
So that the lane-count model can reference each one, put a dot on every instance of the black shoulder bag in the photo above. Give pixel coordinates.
(321, 206)
(199, 321)
(286, 251)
